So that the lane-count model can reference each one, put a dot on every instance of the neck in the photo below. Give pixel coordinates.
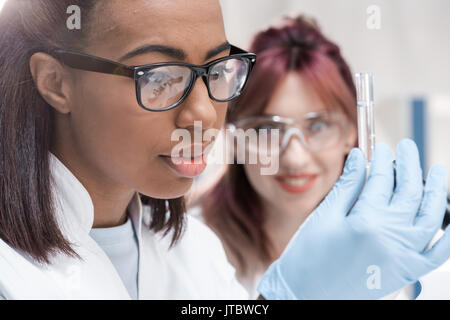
(110, 210)
(110, 199)
(280, 227)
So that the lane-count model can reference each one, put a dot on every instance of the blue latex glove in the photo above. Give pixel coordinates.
(379, 246)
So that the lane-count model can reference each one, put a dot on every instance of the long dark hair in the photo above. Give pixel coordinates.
(27, 212)
(232, 208)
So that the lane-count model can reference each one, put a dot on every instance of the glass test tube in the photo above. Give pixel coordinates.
(366, 130)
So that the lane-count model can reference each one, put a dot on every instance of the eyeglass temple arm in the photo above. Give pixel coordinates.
(89, 63)
(237, 50)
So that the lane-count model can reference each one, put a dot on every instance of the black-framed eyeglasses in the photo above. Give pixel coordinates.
(164, 86)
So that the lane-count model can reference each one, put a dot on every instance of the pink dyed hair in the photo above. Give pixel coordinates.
(233, 208)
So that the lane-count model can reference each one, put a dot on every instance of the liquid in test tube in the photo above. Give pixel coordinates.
(366, 130)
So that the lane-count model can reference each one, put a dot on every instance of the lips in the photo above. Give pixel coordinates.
(296, 183)
(189, 167)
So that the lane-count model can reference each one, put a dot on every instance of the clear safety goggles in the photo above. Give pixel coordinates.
(316, 131)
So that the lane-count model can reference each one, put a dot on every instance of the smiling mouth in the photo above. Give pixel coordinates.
(296, 184)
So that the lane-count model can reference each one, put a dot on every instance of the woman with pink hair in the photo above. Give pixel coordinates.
(300, 84)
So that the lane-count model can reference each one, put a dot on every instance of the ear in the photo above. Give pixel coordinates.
(51, 80)
(351, 139)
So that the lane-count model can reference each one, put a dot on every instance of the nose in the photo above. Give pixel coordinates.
(295, 155)
(197, 107)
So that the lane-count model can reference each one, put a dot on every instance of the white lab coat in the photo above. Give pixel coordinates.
(196, 268)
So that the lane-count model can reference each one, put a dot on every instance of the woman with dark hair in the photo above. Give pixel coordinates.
(84, 135)
(301, 82)
(91, 192)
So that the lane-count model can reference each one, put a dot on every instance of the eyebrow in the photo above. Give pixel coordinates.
(146, 48)
(172, 52)
(214, 52)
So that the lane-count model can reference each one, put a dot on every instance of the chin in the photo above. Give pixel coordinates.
(171, 190)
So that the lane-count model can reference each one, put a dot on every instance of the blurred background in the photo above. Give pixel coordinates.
(404, 43)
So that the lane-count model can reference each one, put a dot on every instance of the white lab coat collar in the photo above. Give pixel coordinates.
(75, 216)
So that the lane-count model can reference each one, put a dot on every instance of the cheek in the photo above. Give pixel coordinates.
(221, 111)
(122, 141)
(111, 124)
(262, 184)
(332, 163)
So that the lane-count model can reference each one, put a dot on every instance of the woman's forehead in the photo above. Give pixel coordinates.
(295, 97)
(292, 90)
(189, 25)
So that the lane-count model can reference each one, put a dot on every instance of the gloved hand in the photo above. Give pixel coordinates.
(368, 248)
